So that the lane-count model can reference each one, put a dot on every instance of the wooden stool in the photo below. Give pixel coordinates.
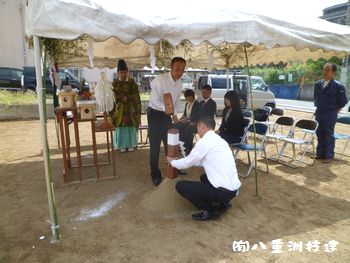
(63, 121)
(140, 129)
(108, 129)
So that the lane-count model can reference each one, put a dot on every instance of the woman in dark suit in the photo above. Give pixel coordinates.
(232, 125)
(187, 124)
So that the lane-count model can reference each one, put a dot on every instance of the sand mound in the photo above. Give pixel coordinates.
(166, 201)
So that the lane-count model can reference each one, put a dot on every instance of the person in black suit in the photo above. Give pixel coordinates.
(232, 125)
(188, 122)
(207, 105)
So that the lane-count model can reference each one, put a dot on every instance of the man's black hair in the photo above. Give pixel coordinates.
(333, 66)
(207, 87)
(207, 121)
(189, 93)
(177, 59)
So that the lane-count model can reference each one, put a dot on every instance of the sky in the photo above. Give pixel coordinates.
(280, 9)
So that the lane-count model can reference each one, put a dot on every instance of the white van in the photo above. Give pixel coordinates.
(239, 83)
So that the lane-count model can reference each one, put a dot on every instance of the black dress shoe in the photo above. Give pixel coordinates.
(222, 207)
(206, 215)
(179, 172)
(156, 180)
(318, 157)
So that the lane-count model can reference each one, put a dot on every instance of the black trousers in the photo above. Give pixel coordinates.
(158, 125)
(202, 194)
(186, 134)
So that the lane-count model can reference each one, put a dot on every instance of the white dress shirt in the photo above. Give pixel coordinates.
(189, 108)
(325, 83)
(214, 154)
(162, 84)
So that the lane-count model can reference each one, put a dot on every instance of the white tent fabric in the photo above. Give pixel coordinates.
(121, 34)
(93, 74)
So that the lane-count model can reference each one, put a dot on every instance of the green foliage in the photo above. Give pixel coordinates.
(62, 50)
(311, 71)
(18, 98)
(230, 53)
(165, 51)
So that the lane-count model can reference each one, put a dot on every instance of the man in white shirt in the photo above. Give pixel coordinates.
(220, 182)
(158, 121)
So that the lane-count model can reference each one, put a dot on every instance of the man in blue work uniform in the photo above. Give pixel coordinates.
(330, 98)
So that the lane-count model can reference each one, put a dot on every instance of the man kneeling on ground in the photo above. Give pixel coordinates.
(220, 182)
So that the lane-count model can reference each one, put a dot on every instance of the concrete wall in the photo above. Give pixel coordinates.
(13, 48)
(23, 112)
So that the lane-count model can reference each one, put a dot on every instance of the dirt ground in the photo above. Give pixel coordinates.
(104, 221)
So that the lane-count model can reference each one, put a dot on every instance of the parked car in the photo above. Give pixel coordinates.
(186, 82)
(29, 79)
(258, 83)
(145, 83)
(222, 83)
(10, 78)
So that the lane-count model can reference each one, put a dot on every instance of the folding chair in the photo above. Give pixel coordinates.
(141, 128)
(244, 146)
(269, 109)
(283, 121)
(262, 114)
(341, 136)
(247, 114)
(277, 111)
(246, 122)
(303, 135)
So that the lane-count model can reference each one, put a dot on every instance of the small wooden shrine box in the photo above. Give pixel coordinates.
(87, 109)
(66, 99)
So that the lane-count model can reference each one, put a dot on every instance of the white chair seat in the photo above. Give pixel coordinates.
(295, 140)
(276, 136)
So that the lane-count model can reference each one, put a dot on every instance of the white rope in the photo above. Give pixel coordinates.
(53, 225)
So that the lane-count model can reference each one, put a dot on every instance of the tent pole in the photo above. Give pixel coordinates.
(251, 99)
(227, 79)
(55, 227)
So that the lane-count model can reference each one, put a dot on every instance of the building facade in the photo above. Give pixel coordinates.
(337, 14)
(14, 52)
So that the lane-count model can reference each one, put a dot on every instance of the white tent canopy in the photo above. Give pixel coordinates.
(218, 38)
(119, 33)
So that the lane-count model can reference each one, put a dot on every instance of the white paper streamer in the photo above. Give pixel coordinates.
(182, 148)
(104, 94)
(152, 56)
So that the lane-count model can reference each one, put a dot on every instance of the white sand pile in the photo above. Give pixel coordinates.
(166, 201)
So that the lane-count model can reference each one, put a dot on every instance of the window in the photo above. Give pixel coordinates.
(17, 74)
(240, 85)
(220, 83)
(202, 82)
(62, 75)
(5, 73)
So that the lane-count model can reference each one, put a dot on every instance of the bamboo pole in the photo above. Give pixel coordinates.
(254, 137)
(55, 227)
